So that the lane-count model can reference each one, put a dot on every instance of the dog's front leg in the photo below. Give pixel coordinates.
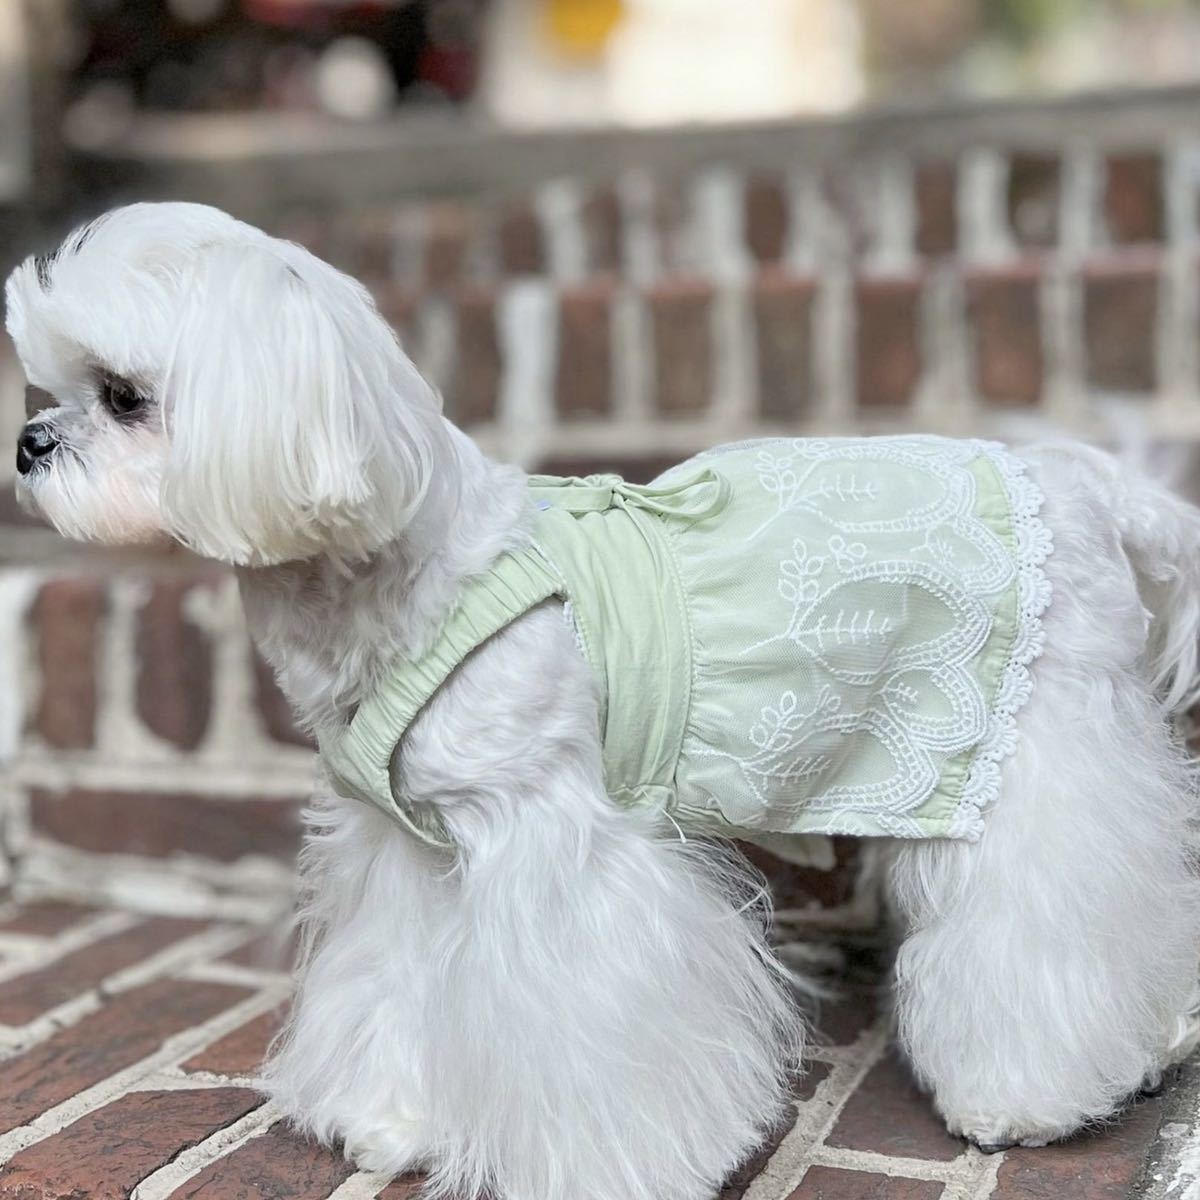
(573, 1004)
(598, 1015)
(346, 1067)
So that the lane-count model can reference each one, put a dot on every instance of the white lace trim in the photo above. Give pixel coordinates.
(1033, 546)
(572, 621)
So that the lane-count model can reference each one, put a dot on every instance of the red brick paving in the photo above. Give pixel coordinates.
(889, 1115)
(29, 995)
(105, 1153)
(1098, 1166)
(271, 951)
(843, 1019)
(828, 1183)
(813, 888)
(240, 1052)
(816, 1154)
(804, 1089)
(45, 918)
(815, 1073)
(117, 1036)
(407, 1188)
(736, 1185)
(276, 1166)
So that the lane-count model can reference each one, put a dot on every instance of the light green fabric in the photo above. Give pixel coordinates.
(358, 755)
(791, 637)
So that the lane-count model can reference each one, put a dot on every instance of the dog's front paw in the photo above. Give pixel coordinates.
(390, 1145)
(992, 1134)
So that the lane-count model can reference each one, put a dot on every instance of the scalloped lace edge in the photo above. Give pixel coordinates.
(1034, 543)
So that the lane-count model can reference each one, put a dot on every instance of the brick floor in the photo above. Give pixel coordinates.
(141, 1077)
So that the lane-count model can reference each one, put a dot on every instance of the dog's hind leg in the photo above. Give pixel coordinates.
(1046, 967)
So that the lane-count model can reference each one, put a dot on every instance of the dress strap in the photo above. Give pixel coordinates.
(358, 755)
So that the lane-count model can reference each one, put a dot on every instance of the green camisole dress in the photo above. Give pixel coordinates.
(800, 636)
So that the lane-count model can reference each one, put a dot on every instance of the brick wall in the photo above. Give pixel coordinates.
(649, 317)
(155, 763)
(620, 317)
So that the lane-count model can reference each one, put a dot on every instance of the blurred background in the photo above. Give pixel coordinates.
(612, 232)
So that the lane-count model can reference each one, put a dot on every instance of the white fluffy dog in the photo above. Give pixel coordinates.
(577, 1004)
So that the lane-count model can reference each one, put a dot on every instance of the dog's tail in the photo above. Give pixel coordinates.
(1160, 533)
(1142, 482)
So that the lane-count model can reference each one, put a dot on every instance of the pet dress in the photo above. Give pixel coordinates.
(800, 636)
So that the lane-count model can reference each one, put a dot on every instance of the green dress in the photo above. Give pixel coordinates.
(791, 636)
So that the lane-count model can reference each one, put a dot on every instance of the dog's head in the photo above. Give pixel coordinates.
(191, 377)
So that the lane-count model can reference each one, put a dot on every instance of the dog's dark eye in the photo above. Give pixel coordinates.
(120, 397)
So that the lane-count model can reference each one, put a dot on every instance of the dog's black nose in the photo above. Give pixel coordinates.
(36, 441)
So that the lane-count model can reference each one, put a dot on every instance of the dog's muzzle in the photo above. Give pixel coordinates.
(37, 442)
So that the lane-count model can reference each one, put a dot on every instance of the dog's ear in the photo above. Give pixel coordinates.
(297, 425)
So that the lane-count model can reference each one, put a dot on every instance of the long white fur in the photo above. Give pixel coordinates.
(576, 1005)
(1050, 969)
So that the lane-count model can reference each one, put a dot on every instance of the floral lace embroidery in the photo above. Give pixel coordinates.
(925, 704)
